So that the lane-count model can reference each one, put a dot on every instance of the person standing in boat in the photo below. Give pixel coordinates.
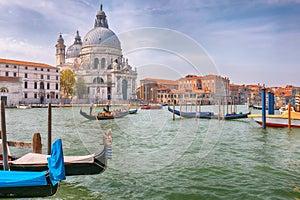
(91, 108)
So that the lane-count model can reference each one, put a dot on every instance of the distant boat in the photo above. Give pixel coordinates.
(151, 107)
(208, 115)
(35, 184)
(279, 120)
(257, 107)
(132, 111)
(23, 106)
(105, 115)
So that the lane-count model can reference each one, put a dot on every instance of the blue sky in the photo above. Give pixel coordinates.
(250, 42)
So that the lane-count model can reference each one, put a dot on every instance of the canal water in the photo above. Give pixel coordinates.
(155, 157)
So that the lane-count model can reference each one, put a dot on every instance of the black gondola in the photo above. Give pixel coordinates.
(35, 184)
(74, 165)
(208, 115)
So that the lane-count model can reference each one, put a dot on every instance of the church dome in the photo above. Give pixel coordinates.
(73, 51)
(101, 36)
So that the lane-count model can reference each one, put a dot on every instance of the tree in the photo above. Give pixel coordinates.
(67, 81)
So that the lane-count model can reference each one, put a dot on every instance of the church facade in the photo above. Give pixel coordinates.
(102, 73)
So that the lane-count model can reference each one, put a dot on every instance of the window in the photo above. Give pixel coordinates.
(26, 76)
(6, 66)
(42, 76)
(35, 85)
(42, 69)
(35, 68)
(15, 74)
(96, 63)
(48, 96)
(26, 68)
(6, 73)
(48, 86)
(48, 70)
(48, 77)
(25, 95)
(25, 84)
(15, 67)
(4, 89)
(35, 95)
(103, 63)
(57, 70)
(56, 86)
(56, 96)
(56, 77)
(42, 85)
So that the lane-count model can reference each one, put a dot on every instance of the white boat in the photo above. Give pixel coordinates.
(23, 106)
(279, 120)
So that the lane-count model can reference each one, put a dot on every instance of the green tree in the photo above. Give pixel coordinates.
(67, 81)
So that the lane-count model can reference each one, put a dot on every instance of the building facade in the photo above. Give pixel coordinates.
(101, 70)
(28, 82)
(190, 89)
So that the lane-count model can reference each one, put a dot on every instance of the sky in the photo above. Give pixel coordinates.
(249, 42)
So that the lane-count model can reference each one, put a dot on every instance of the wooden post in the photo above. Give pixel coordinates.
(173, 111)
(223, 113)
(196, 107)
(180, 112)
(37, 143)
(289, 115)
(4, 139)
(200, 106)
(263, 110)
(49, 128)
(219, 109)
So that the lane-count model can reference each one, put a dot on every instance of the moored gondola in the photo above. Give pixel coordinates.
(74, 165)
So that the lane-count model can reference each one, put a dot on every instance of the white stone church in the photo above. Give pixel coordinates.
(102, 73)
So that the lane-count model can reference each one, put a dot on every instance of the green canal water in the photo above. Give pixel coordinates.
(155, 157)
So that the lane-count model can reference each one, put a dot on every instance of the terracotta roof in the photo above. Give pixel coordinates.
(25, 63)
(9, 79)
(160, 81)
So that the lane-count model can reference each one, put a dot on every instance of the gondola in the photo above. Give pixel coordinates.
(132, 111)
(105, 115)
(74, 165)
(97, 117)
(208, 115)
(35, 184)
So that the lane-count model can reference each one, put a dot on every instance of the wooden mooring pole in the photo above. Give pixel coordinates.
(4, 138)
(49, 128)
(289, 115)
(263, 110)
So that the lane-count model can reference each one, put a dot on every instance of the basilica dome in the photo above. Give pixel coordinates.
(74, 50)
(101, 36)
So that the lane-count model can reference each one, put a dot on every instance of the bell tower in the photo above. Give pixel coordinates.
(60, 51)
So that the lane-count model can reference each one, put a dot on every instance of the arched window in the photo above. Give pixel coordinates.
(124, 89)
(103, 63)
(4, 89)
(96, 63)
(98, 80)
(42, 85)
(35, 85)
(25, 84)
